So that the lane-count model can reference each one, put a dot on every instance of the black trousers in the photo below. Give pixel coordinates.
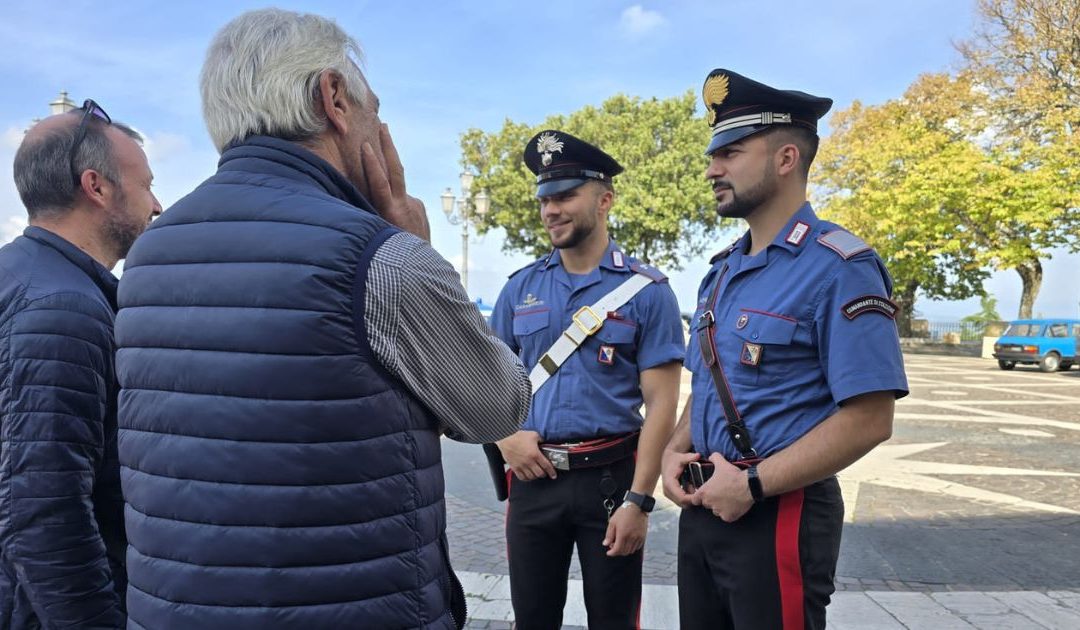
(545, 519)
(771, 569)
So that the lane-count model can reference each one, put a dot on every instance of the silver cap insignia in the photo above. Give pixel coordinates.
(547, 144)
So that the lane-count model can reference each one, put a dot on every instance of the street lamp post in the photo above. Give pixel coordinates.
(461, 212)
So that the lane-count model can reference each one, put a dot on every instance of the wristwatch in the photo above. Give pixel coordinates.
(644, 502)
(754, 482)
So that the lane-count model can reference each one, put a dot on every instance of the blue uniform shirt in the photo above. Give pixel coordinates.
(800, 327)
(597, 390)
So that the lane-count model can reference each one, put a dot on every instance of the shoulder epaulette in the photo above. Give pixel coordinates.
(724, 253)
(844, 243)
(648, 271)
(529, 266)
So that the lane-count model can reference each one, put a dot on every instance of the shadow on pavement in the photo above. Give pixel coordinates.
(1014, 552)
(1001, 552)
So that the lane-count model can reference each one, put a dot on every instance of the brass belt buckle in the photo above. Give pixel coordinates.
(582, 318)
(559, 458)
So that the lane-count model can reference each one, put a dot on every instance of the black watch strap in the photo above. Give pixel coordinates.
(754, 482)
(643, 501)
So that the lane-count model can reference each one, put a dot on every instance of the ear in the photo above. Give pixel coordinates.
(96, 188)
(334, 99)
(605, 200)
(787, 159)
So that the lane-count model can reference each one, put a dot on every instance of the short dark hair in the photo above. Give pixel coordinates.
(804, 138)
(606, 184)
(43, 165)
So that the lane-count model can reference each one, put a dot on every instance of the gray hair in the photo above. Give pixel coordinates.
(261, 75)
(44, 176)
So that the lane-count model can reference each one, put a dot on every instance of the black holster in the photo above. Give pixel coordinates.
(497, 468)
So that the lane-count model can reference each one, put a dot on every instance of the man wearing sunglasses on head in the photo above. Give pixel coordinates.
(85, 183)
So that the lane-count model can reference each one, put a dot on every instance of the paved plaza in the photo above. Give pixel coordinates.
(969, 517)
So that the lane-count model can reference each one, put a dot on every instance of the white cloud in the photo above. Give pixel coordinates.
(162, 146)
(455, 260)
(159, 146)
(11, 228)
(12, 213)
(11, 138)
(637, 21)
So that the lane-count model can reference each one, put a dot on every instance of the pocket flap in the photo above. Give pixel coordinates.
(770, 329)
(617, 331)
(528, 322)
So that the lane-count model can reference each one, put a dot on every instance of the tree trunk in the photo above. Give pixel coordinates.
(904, 296)
(1031, 276)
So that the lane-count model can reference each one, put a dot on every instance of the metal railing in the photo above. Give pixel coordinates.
(948, 332)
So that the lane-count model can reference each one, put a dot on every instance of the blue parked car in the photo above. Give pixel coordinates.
(1053, 344)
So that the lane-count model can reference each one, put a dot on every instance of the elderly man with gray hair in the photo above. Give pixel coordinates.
(291, 349)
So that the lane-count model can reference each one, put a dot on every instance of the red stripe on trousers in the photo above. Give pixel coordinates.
(788, 515)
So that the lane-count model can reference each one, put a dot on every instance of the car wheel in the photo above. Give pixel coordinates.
(1006, 365)
(1050, 362)
(1065, 365)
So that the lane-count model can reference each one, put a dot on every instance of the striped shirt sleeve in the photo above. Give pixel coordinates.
(424, 330)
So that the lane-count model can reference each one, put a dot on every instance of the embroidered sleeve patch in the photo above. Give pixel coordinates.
(870, 304)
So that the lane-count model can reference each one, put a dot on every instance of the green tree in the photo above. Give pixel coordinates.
(987, 314)
(1025, 57)
(932, 182)
(971, 171)
(898, 175)
(664, 211)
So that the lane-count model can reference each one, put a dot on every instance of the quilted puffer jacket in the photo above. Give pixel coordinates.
(61, 514)
(275, 475)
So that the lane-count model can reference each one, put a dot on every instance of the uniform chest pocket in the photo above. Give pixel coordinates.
(529, 322)
(766, 329)
(617, 331)
(769, 347)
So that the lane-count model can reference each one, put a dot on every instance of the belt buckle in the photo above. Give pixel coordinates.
(559, 458)
(589, 328)
(697, 477)
(706, 320)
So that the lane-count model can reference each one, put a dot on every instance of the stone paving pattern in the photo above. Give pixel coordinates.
(947, 537)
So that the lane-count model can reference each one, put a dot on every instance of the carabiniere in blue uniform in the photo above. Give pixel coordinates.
(798, 328)
(596, 392)
(780, 342)
(587, 338)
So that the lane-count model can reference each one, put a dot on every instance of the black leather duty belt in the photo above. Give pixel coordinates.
(697, 473)
(591, 453)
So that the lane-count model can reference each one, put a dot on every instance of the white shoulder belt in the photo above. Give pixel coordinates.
(587, 321)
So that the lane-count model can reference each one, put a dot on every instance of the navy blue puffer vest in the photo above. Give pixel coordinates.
(275, 475)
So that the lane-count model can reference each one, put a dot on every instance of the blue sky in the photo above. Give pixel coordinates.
(442, 67)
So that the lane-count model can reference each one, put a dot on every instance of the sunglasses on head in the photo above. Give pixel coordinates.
(89, 108)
